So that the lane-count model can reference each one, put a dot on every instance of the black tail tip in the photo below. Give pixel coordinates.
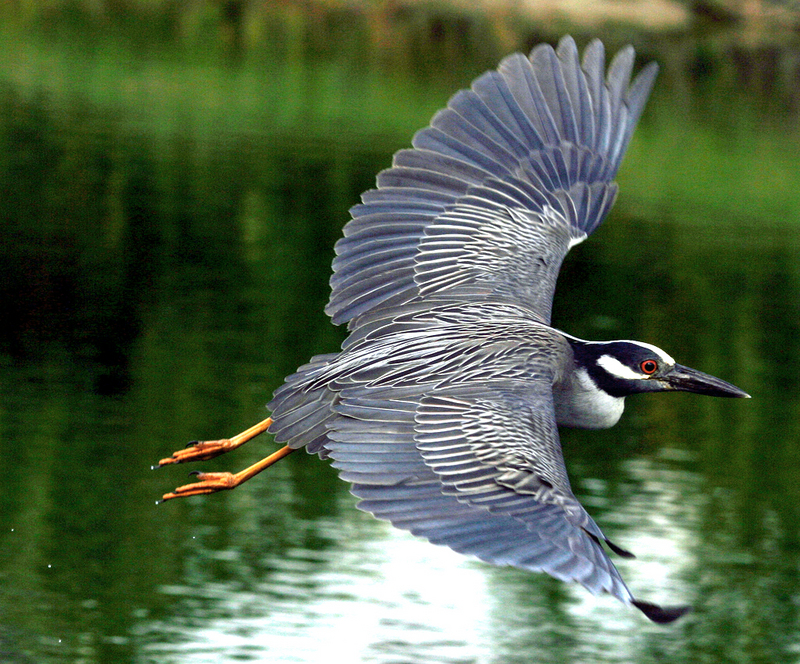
(662, 615)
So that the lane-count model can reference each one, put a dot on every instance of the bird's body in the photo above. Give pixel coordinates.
(443, 406)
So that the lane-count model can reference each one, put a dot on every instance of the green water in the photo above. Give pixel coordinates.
(167, 226)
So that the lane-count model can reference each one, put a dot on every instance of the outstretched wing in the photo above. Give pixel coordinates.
(474, 469)
(478, 470)
(496, 190)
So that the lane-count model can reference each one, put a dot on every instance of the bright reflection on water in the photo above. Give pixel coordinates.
(380, 595)
(376, 596)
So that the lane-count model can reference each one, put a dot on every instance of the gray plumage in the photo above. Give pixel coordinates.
(530, 150)
(442, 407)
(442, 417)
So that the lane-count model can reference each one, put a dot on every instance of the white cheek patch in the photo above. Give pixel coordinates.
(614, 367)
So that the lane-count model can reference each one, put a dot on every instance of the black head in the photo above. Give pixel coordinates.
(621, 368)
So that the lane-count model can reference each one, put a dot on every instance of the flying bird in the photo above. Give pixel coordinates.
(443, 406)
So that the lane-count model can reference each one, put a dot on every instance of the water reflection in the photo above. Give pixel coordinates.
(161, 277)
(377, 594)
(373, 596)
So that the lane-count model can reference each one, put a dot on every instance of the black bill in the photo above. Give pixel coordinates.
(691, 380)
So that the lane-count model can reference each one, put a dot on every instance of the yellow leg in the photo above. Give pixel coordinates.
(213, 482)
(208, 449)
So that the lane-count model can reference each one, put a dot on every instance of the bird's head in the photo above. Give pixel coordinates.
(620, 368)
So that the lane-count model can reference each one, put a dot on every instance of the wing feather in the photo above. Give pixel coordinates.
(578, 89)
(549, 76)
(425, 465)
(541, 133)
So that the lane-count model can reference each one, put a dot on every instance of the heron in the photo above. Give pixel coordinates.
(443, 406)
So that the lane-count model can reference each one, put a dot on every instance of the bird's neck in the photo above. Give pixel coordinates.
(581, 404)
(579, 401)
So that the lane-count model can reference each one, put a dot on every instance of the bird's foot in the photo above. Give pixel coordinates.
(207, 483)
(214, 482)
(203, 450)
(199, 450)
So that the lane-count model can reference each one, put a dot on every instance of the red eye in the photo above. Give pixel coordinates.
(648, 366)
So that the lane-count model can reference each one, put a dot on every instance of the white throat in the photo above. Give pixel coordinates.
(581, 404)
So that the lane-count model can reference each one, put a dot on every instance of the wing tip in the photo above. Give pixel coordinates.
(662, 615)
(623, 553)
